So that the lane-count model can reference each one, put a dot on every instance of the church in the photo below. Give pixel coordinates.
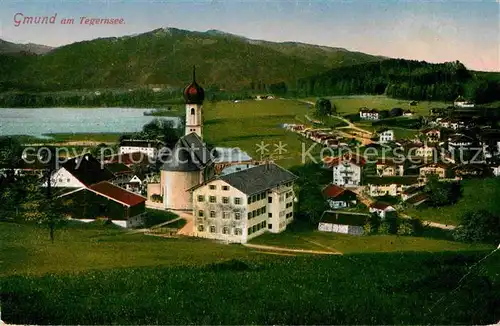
(221, 191)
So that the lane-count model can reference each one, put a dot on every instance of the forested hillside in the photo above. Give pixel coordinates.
(407, 79)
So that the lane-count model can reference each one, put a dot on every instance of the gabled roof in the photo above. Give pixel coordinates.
(87, 170)
(355, 219)
(334, 191)
(259, 178)
(117, 194)
(380, 205)
(354, 159)
(118, 168)
(189, 154)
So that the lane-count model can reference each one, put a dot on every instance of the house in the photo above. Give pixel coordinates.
(130, 159)
(148, 147)
(125, 177)
(239, 206)
(381, 209)
(423, 150)
(78, 172)
(411, 191)
(385, 135)
(389, 167)
(432, 134)
(105, 200)
(338, 197)
(342, 222)
(472, 170)
(346, 169)
(440, 169)
(417, 199)
(451, 123)
(457, 141)
(407, 113)
(368, 114)
(461, 102)
(389, 186)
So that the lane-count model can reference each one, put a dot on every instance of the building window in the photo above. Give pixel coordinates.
(237, 216)
(237, 231)
(237, 201)
(249, 215)
(225, 200)
(212, 214)
(269, 226)
(263, 224)
(249, 231)
(264, 209)
(200, 213)
(212, 187)
(192, 111)
(225, 230)
(201, 198)
(269, 215)
(269, 200)
(254, 213)
(212, 199)
(225, 215)
(225, 187)
(201, 228)
(212, 228)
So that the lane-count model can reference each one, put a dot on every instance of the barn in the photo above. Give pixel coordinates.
(343, 222)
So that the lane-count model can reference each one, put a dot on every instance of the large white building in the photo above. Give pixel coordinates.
(385, 135)
(239, 206)
(147, 147)
(346, 171)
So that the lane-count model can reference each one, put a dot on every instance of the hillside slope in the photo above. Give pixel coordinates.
(9, 47)
(166, 56)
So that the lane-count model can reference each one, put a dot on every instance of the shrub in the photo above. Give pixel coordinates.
(476, 226)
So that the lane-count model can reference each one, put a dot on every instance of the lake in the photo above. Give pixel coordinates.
(37, 122)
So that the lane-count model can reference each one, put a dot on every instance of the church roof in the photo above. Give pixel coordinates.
(194, 93)
(189, 154)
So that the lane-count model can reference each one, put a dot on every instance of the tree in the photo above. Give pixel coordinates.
(311, 204)
(396, 112)
(10, 156)
(441, 193)
(389, 225)
(372, 224)
(323, 107)
(478, 226)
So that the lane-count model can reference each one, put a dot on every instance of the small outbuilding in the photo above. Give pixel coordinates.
(343, 222)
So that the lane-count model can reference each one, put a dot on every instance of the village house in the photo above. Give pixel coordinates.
(338, 197)
(346, 169)
(451, 123)
(388, 167)
(461, 102)
(464, 171)
(389, 186)
(148, 147)
(432, 135)
(382, 209)
(385, 135)
(368, 114)
(407, 113)
(458, 141)
(423, 150)
(343, 222)
(239, 206)
(440, 169)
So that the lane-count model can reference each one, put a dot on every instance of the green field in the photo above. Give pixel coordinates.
(348, 244)
(95, 274)
(248, 123)
(477, 194)
(352, 104)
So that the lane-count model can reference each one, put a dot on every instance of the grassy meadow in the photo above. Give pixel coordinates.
(476, 194)
(248, 123)
(94, 274)
(352, 104)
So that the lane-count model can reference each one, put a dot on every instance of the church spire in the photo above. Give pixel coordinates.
(194, 74)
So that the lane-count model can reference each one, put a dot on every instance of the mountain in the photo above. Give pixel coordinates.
(166, 56)
(9, 47)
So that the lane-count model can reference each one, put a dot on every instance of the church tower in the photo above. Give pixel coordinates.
(194, 96)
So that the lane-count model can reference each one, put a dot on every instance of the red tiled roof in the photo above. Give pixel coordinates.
(353, 158)
(332, 191)
(380, 205)
(117, 194)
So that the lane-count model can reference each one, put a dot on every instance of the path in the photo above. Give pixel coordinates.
(304, 251)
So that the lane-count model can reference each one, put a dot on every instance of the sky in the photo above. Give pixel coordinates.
(434, 31)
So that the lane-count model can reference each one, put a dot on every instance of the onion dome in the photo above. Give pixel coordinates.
(194, 93)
